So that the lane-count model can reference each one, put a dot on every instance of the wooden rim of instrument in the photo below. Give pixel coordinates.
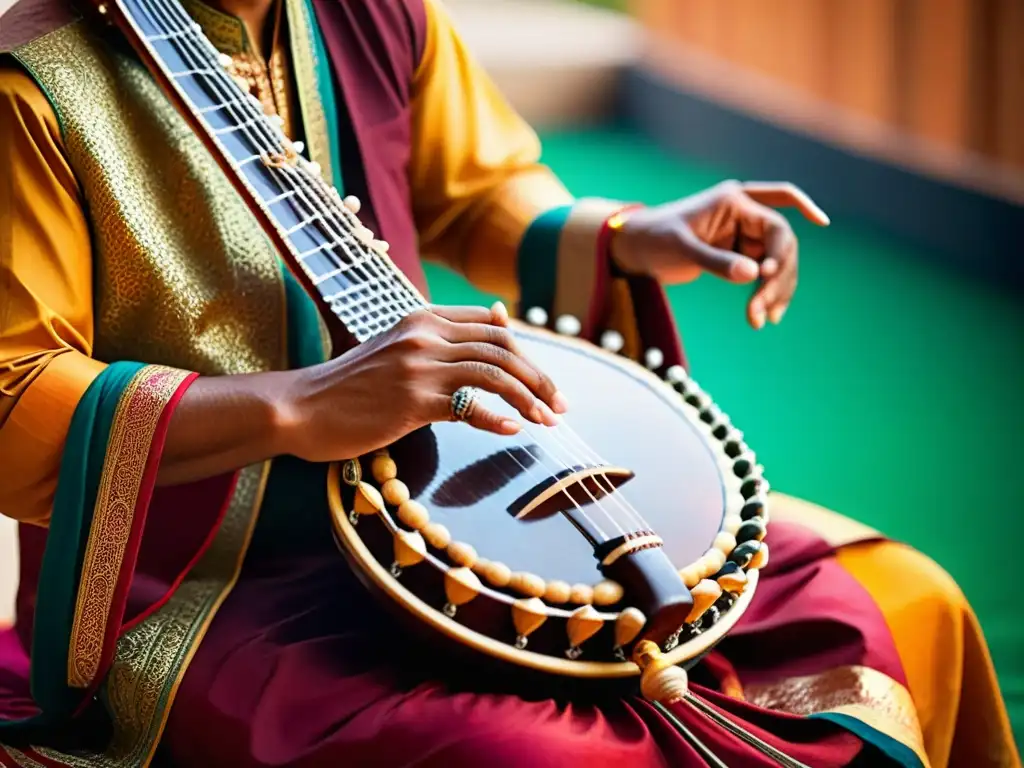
(396, 590)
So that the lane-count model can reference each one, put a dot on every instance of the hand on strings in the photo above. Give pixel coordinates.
(731, 231)
(404, 379)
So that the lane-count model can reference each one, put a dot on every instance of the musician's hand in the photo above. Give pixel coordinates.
(404, 379)
(730, 230)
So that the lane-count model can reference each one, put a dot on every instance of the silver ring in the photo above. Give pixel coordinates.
(463, 403)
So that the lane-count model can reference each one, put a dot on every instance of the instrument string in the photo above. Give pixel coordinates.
(248, 114)
(241, 109)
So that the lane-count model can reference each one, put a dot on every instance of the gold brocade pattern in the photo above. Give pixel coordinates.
(861, 692)
(22, 759)
(152, 656)
(128, 448)
(184, 275)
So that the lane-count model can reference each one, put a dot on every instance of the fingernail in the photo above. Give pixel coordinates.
(776, 313)
(769, 267)
(758, 315)
(500, 312)
(547, 415)
(559, 403)
(510, 427)
(745, 269)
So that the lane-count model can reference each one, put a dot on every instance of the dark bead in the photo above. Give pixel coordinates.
(752, 509)
(711, 615)
(751, 487)
(720, 431)
(695, 400)
(728, 568)
(753, 529)
(742, 467)
(744, 553)
(724, 603)
(711, 414)
(733, 448)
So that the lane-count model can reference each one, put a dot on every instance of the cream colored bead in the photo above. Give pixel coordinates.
(582, 594)
(628, 626)
(725, 541)
(607, 592)
(461, 553)
(557, 592)
(712, 561)
(529, 584)
(437, 535)
(528, 613)
(497, 574)
(410, 548)
(704, 596)
(731, 524)
(384, 468)
(691, 574)
(395, 492)
(760, 558)
(583, 624)
(415, 515)
(352, 203)
(733, 582)
(368, 500)
(461, 585)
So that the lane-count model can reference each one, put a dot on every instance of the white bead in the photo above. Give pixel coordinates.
(654, 358)
(612, 341)
(223, 59)
(277, 120)
(298, 146)
(381, 246)
(352, 203)
(314, 168)
(676, 374)
(537, 316)
(568, 325)
(364, 235)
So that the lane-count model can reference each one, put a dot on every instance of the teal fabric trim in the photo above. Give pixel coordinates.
(897, 751)
(325, 87)
(80, 471)
(305, 347)
(538, 259)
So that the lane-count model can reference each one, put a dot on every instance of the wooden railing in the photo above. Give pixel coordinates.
(948, 71)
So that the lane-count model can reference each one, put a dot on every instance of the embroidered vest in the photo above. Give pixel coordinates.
(183, 274)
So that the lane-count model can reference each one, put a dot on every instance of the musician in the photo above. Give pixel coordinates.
(168, 398)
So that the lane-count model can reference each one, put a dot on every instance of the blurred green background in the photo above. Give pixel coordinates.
(891, 392)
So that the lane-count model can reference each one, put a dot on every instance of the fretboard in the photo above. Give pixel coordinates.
(303, 213)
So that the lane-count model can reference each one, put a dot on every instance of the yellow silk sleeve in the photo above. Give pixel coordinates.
(476, 177)
(45, 299)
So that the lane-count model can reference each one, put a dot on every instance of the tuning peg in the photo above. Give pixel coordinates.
(352, 203)
(277, 120)
(363, 235)
(654, 358)
(299, 147)
(381, 246)
(612, 341)
(568, 325)
(314, 167)
(537, 316)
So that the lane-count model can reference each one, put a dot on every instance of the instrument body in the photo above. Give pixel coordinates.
(683, 483)
(563, 550)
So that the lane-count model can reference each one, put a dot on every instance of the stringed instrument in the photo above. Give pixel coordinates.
(625, 540)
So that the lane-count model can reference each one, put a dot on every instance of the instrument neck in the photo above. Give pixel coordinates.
(323, 241)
